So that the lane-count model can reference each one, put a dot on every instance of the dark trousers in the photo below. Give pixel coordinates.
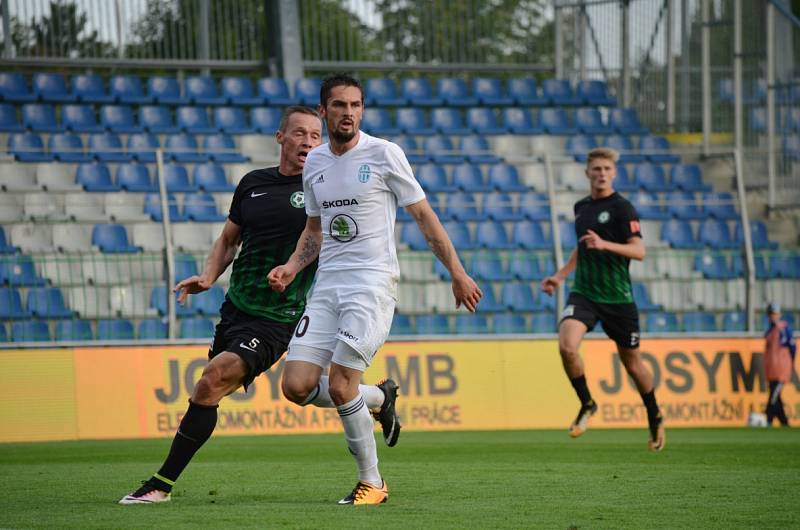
(775, 404)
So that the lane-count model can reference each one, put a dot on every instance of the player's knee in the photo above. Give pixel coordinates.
(294, 391)
(212, 386)
(568, 351)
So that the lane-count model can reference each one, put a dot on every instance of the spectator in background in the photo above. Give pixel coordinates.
(779, 352)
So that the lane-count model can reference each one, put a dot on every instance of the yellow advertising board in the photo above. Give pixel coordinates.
(142, 392)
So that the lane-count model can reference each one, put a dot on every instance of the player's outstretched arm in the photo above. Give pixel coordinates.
(465, 290)
(221, 255)
(632, 249)
(551, 283)
(307, 250)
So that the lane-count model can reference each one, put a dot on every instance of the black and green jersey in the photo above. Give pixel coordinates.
(270, 210)
(603, 276)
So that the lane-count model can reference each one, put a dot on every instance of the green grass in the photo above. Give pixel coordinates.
(710, 478)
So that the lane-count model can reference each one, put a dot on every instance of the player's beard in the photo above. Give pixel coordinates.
(343, 137)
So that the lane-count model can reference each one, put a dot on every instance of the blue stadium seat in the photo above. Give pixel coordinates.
(589, 121)
(411, 236)
(713, 266)
(176, 179)
(165, 91)
(74, 331)
(89, 89)
(239, 91)
(118, 119)
(662, 322)
(642, 298)
(115, 329)
(107, 147)
(200, 207)
(688, 177)
(30, 331)
(569, 239)
(196, 328)
(209, 302)
(441, 150)
(454, 92)
(19, 270)
(651, 177)
(534, 206)
(657, 149)
(142, 147)
(112, 239)
(5, 248)
(222, 148)
(128, 90)
(8, 118)
(626, 121)
(519, 297)
(471, 325)
(28, 147)
(791, 147)
(158, 301)
(186, 267)
(40, 117)
(183, 148)
(623, 144)
(265, 120)
(508, 323)
(382, 93)
(529, 235)
(402, 325)
(758, 233)
(484, 121)
(595, 93)
(525, 267)
(623, 182)
(210, 177)
(725, 90)
(412, 121)
(757, 119)
(156, 119)
(524, 92)
(275, 92)
(498, 206)
(559, 92)
(152, 207)
(719, 205)
(519, 121)
(504, 177)
(378, 121)
(202, 90)
(683, 205)
(734, 321)
(80, 119)
(488, 265)
(459, 235)
(95, 177)
(489, 302)
(153, 329)
(48, 302)
(448, 121)
(543, 323)
(679, 234)
(433, 179)
(419, 93)
(469, 177)
(135, 178)
(699, 322)
(793, 120)
(762, 272)
(193, 120)
(648, 206)
(52, 87)
(409, 146)
(492, 234)
(489, 91)
(463, 206)
(579, 146)
(714, 233)
(432, 325)
(231, 120)
(67, 147)
(307, 90)
(11, 304)
(555, 121)
(785, 266)
(476, 149)
(14, 88)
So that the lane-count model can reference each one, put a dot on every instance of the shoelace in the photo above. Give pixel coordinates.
(360, 491)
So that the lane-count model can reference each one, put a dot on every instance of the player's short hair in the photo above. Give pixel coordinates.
(602, 152)
(334, 80)
(295, 109)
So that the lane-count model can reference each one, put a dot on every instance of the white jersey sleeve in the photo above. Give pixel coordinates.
(312, 207)
(400, 178)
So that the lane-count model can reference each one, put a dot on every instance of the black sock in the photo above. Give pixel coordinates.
(579, 384)
(650, 404)
(195, 428)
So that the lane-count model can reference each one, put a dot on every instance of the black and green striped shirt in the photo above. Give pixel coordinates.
(603, 276)
(270, 210)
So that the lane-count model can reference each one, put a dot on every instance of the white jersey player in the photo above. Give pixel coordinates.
(353, 186)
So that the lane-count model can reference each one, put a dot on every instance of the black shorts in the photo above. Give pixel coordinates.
(620, 321)
(260, 342)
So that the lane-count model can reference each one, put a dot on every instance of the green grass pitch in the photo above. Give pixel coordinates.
(706, 478)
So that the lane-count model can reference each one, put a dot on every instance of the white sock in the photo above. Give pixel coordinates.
(358, 425)
(321, 397)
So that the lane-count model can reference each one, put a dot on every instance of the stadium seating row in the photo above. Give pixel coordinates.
(106, 329)
(756, 93)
